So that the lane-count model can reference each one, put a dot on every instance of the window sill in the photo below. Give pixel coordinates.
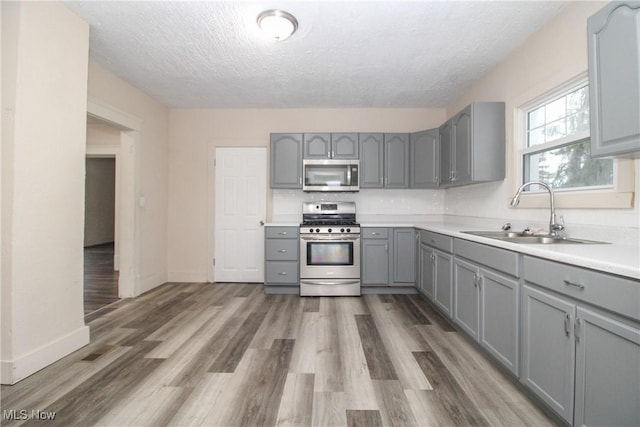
(579, 200)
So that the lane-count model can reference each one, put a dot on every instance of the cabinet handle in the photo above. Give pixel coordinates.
(283, 273)
(282, 251)
(300, 181)
(480, 282)
(567, 321)
(575, 285)
(283, 233)
(373, 233)
(386, 248)
(576, 329)
(475, 280)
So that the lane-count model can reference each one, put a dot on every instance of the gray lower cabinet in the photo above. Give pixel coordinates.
(614, 80)
(388, 256)
(548, 349)
(281, 260)
(375, 256)
(473, 145)
(607, 371)
(285, 150)
(486, 301)
(396, 160)
(436, 269)
(371, 160)
(425, 161)
(581, 342)
(404, 256)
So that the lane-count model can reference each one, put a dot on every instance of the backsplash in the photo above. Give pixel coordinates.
(287, 204)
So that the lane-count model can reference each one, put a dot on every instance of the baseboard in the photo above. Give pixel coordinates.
(18, 369)
(187, 277)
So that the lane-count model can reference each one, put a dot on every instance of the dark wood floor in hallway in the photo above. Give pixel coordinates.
(229, 355)
(100, 278)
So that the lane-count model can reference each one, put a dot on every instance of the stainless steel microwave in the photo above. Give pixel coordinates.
(330, 175)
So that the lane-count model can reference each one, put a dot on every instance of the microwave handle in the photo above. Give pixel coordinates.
(349, 175)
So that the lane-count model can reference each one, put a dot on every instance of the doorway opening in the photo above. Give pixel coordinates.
(100, 272)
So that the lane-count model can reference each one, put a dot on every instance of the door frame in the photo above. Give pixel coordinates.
(128, 160)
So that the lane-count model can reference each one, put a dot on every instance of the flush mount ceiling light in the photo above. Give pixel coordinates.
(277, 24)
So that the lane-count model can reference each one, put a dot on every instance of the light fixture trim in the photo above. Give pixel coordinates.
(277, 23)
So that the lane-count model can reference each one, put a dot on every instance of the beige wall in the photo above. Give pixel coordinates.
(152, 166)
(194, 134)
(43, 146)
(552, 56)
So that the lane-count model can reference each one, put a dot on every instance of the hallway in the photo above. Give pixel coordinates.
(100, 279)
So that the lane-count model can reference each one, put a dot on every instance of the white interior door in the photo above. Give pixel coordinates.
(240, 208)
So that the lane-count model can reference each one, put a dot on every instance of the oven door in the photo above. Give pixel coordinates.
(329, 257)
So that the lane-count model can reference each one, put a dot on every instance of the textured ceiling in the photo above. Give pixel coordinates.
(345, 53)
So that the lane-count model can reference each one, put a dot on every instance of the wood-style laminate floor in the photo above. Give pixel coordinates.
(100, 279)
(229, 355)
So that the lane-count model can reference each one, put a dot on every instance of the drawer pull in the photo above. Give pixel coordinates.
(575, 285)
(283, 233)
(373, 233)
(282, 251)
(283, 273)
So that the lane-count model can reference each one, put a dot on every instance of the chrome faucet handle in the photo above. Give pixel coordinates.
(506, 226)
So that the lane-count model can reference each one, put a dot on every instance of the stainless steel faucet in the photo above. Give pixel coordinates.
(556, 229)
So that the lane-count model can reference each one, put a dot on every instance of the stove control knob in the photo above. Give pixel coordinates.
(317, 230)
(348, 230)
(342, 230)
(329, 230)
(311, 230)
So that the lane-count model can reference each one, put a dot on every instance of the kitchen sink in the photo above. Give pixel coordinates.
(528, 238)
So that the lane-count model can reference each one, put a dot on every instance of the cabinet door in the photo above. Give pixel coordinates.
(396, 160)
(317, 145)
(371, 160)
(286, 160)
(466, 299)
(404, 255)
(375, 261)
(548, 349)
(345, 146)
(443, 281)
(499, 318)
(446, 154)
(607, 371)
(614, 79)
(462, 147)
(424, 159)
(427, 271)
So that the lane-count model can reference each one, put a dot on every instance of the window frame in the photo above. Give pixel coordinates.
(620, 194)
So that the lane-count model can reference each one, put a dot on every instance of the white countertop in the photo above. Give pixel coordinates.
(620, 259)
(623, 260)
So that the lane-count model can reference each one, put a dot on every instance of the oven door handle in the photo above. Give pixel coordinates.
(330, 283)
(332, 239)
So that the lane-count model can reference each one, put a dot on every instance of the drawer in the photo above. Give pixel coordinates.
(440, 241)
(281, 272)
(374, 233)
(498, 259)
(613, 293)
(282, 232)
(281, 250)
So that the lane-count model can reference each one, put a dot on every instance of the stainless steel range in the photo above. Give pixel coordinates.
(329, 249)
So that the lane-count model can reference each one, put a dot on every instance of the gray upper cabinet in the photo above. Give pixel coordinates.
(614, 80)
(345, 146)
(286, 160)
(371, 160)
(317, 145)
(473, 145)
(331, 146)
(396, 160)
(425, 162)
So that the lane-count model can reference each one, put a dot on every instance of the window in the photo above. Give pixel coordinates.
(557, 144)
